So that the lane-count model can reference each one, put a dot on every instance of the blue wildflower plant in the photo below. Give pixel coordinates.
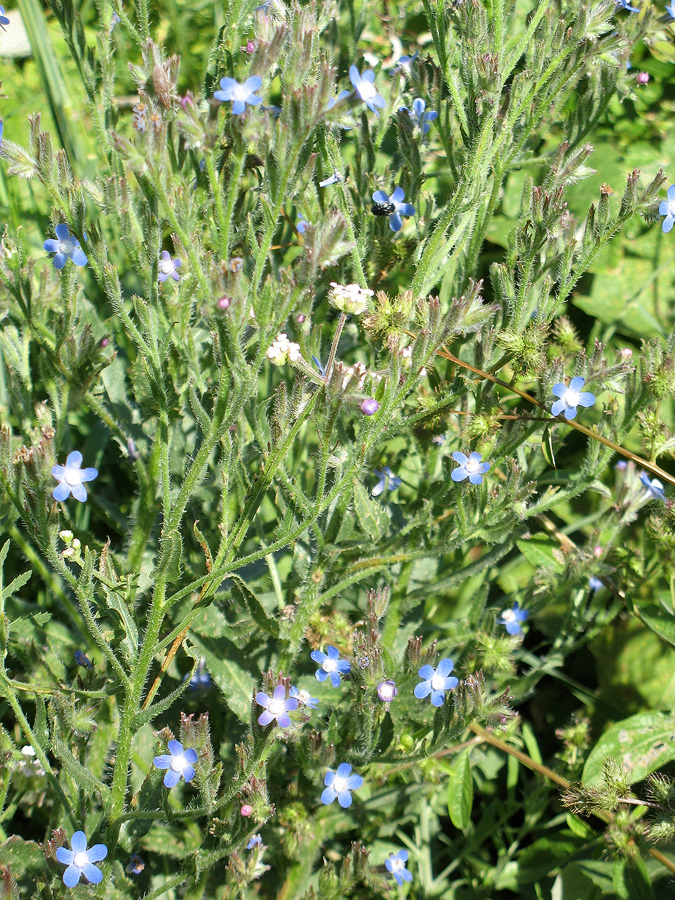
(435, 682)
(513, 618)
(3, 18)
(168, 268)
(387, 481)
(570, 397)
(667, 206)
(330, 665)
(471, 467)
(303, 697)
(65, 247)
(421, 117)
(339, 785)
(396, 865)
(393, 207)
(239, 95)
(80, 860)
(179, 763)
(625, 4)
(364, 85)
(654, 487)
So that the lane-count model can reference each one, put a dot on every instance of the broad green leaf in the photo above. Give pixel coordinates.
(372, 516)
(630, 879)
(540, 553)
(460, 790)
(655, 618)
(229, 674)
(259, 614)
(641, 744)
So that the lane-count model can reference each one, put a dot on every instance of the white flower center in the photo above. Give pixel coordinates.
(81, 860)
(179, 763)
(397, 864)
(329, 665)
(73, 476)
(67, 247)
(276, 707)
(303, 696)
(508, 615)
(571, 398)
(167, 266)
(340, 785)
(472, 466)
(438, 683)
(239, 92)
(387, 691)
(367, 89)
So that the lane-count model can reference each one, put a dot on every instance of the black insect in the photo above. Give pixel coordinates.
(383, 209)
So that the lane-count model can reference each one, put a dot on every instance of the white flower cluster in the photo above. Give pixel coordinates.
(283, 351)
(349, 298)
(357, 371)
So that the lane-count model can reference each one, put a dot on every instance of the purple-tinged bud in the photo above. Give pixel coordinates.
(625, 353)
(621, 465)
(224, 303)
(246, 810)
(369, 407)
(300, 318)
(187, 100)
(250, 46)
(104, 342)
(132, 451)
(642, 78)
(386, 691)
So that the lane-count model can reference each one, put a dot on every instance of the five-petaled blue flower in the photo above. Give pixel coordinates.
(302, 224)
(169, 267)
(332, 179)
(72, 478)
(654, 487)
(256, 841)
(671, 9)
(387, 480)
(275, 707)
(625, 4)
(303, 697)
(395, 864)
(594, 583)
(339, 784)
(3, 18)
(469, 467)
(667, 207)
(330, 664)
(571, 397)
(366, 89)
(421, 118)
(66, 247)
(239, 94)
(393, 207)
(80, 861)
(512, 618)
(179, 764)
(436, 682)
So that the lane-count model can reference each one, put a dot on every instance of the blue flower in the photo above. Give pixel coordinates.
(594, 583)
(436, 682)
(625, 4)
(512, 618)
(201, 678)
(276, 707)
(179, 764)
(275, 110)
(169, 267)
(83, 660)
(65, 247)
(395, 864)
(392, 207)
(469, 467)
(571, 397)
(330, 664)
(256, 841)
(302, 224)
(405, 63)
(79, 860)
(339, 784)
(239, 94)
(135, 865)
(3, 18)
(365, 88)
(2, 125)
(343, 94)
(671, 9)
(72, 478)
(332, 179)
(667, 207)
(654, 487)
(421, 118)
(115, 20)
(387, 480)
(303, 698)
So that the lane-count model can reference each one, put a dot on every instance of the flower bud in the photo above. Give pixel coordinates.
(387, 690)
(351, 298)
(369, 406)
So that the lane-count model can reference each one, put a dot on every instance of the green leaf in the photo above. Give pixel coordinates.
(256, 609)
(224, 662)
(659, 623)
(372, 516)
(21, 856)
(540, 553)
(641, 744)
(631, 880)
(460, 790)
